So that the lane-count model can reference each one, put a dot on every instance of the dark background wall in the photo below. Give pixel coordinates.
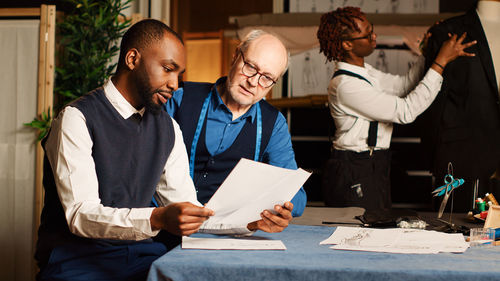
(203, 16)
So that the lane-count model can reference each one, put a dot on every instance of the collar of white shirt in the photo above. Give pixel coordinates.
(363, 71)
(119, 102)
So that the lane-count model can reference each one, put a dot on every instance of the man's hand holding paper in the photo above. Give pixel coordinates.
(255, 196)
(179, 218)
(273, 222)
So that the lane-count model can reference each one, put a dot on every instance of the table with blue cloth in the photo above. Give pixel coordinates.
(305, 259)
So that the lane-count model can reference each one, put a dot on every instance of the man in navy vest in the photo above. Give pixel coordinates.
(109, 153)
(229, 120)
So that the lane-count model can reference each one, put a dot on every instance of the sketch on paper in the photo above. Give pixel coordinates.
(332, 5)
(381, 61)
(309, 74)
(374, 6)
(357, 238)
(419, 6)
(394, 61)
(394, 6)
(395, 240)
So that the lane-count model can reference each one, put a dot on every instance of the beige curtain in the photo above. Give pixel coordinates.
(18, 84)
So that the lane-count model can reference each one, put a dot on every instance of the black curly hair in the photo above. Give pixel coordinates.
(334, 28)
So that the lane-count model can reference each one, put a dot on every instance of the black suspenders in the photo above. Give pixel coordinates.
(372, 131)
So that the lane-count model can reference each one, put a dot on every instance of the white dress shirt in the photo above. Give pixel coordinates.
(389, 99)
(69, 150)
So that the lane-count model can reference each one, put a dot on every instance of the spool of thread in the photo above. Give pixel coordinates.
(481, 205)
(491, 198)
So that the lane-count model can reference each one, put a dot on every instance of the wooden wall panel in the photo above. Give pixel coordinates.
(204, 59)
(204, 16)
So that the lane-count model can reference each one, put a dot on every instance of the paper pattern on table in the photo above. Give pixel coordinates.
(396, 240)
(231, 244)
(251, 188)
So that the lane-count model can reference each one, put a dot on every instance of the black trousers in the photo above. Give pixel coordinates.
(358, 179)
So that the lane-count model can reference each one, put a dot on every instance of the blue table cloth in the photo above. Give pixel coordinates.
(305, 259)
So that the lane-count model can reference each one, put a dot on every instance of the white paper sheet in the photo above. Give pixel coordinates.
(310, 73)
(231, 244)
(396, 240)
(251, 188)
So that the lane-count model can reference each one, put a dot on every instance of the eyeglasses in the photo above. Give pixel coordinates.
(369, 36)
(250, 71)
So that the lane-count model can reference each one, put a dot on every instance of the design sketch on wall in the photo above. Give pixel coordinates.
(394, 6)
(309, 74)
(419, 5)
(381, 62)
(376, 7)
(394, 61)
(373, 6)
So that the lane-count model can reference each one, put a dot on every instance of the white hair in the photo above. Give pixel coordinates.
(255, 34)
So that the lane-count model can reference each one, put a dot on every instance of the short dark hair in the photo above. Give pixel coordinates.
(143, 34)
(333, 29)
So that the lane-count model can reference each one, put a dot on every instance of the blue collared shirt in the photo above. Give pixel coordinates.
(222, 131)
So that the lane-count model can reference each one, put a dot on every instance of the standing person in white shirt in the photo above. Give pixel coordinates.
(364, 102)
(107, 155)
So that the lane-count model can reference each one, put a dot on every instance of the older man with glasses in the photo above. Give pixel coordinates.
(229, 120)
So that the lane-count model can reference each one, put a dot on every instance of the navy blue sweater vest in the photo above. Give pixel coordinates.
(129, 159)
(210, 171)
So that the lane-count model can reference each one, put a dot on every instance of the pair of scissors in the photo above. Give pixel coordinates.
(450, 184)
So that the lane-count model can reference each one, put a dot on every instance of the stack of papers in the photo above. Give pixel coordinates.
(396, 240)
(251, 188)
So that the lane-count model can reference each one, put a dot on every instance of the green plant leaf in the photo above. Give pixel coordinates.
(88, 38)
(42, 124)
